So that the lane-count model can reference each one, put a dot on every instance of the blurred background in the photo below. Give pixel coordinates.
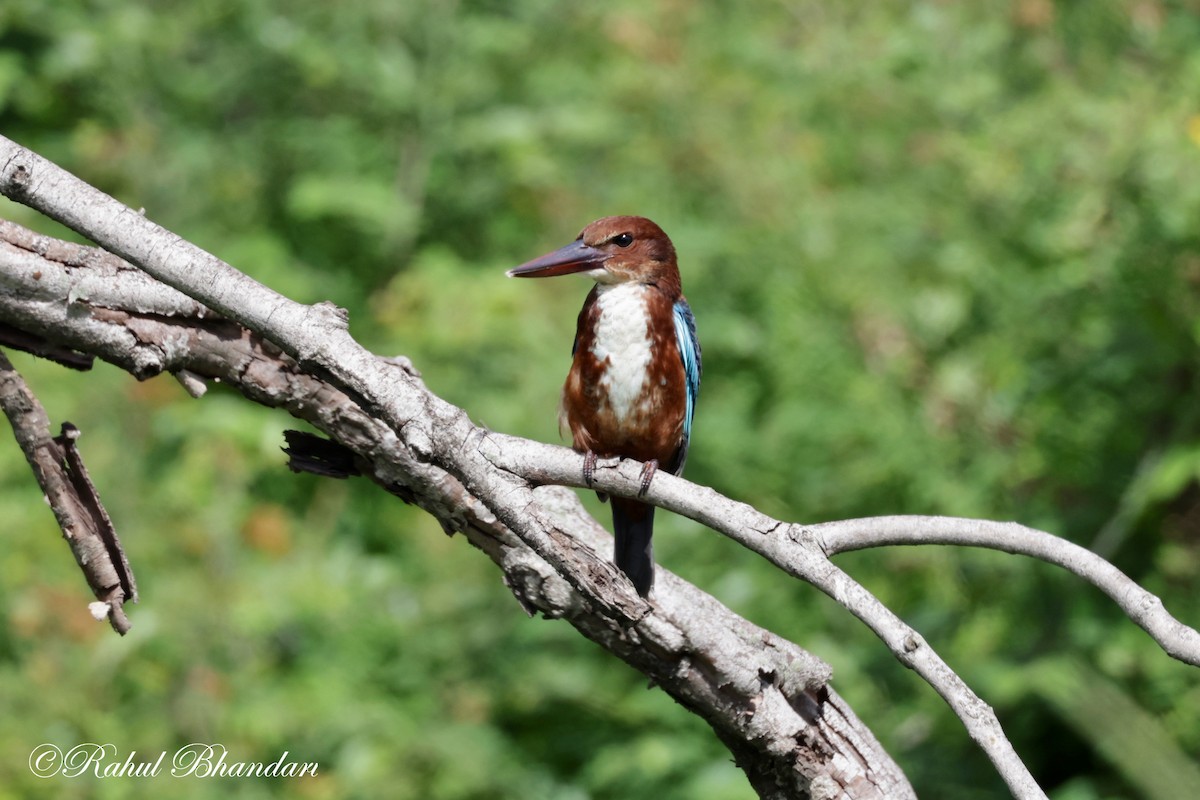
(944, 258)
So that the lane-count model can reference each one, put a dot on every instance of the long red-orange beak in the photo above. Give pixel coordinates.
(575, 257)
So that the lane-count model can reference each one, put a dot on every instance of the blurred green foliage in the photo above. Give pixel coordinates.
(945, 258)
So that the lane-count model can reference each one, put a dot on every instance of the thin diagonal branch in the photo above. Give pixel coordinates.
(59, 470)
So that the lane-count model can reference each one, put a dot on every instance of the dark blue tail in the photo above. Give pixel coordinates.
(633, 525)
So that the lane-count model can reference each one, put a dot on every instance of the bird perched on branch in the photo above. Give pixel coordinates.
(635, 373)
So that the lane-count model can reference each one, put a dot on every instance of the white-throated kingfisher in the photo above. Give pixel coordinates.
(635, 370)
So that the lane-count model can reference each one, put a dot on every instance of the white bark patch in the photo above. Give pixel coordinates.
(622, 343)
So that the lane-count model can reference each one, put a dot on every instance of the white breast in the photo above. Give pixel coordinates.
(623, 338)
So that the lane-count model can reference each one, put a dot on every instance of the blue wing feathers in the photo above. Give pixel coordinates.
(689, 352)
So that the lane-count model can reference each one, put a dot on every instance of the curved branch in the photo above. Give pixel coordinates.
(801, 549)
(1145, 609)
(795, 550)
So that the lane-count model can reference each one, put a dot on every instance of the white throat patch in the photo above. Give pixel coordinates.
(622, 337)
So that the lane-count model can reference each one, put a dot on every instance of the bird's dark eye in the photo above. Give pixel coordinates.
(623, 239)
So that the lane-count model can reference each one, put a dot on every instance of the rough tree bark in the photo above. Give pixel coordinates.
(183, 311)
(59, 470)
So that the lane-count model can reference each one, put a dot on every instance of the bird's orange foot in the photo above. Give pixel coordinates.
(589, 467)
(648, 470)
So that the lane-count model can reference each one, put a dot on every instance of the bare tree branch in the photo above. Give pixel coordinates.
(1145, 609)
(60, 472)
(20, 340)
(767, 699)
(494, 488)
(795, 550)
